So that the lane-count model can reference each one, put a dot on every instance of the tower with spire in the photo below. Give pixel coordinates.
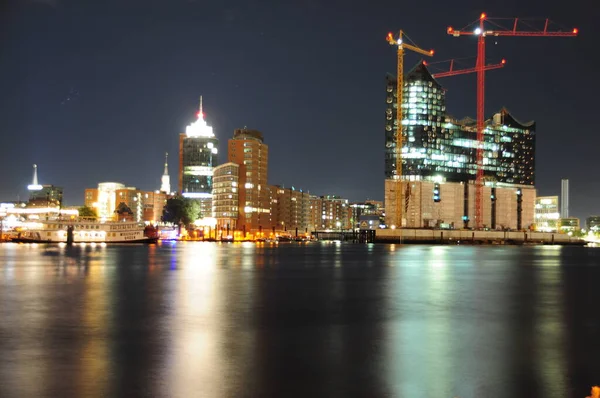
(197, 158)
(165, 180)
(34, 186)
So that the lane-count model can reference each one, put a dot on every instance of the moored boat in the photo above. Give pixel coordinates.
(87, 231)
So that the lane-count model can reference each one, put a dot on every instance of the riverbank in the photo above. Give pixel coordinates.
(432, 236)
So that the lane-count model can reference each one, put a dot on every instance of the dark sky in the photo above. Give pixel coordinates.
(97, 91)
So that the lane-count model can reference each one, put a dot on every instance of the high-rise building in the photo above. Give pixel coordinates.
(564, 198)
(197, 159)
(440, 150)
(226, 195)
(165, 180)
(248, 150)
(546, 213)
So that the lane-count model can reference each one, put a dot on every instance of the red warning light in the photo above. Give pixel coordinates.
(575, 30)
(431, 52)
(450, 29)
(424, 62)
(503, 61)
(482, 15)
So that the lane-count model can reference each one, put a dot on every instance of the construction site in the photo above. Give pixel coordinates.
(448, 173)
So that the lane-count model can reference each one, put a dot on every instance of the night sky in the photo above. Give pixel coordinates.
(97, 91)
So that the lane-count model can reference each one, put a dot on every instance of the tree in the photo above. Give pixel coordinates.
(180, 210)
(85, 211)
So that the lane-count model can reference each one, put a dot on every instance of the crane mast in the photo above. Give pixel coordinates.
(481, 33)
(398, 138)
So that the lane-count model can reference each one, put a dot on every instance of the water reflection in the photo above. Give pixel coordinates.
(324, 319)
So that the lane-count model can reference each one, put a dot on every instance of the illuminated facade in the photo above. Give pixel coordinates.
(290, 210)
(592, 223)
(546, 213)
(330, 212)
(442, 150)
(145, 206)
(197, 158)
(437, 145)
(248, 150)
(106, 199)
(225, 201)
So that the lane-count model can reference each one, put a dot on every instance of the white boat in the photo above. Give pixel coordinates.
(88, 231)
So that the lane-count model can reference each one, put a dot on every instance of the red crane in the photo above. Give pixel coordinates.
(455, 72)
(480, 67)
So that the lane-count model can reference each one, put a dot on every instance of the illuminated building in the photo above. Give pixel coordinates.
(568, 224)
(165, 180)
(564, 198)
(290, 210)
(330, 212)
(435, 144)
(146, 206)
(546, 213)
(197, 159)
(106, 201)
(442, 150)
(248, 150)
(226, 195)
(371, 208)
(43, 195)
(592, 223)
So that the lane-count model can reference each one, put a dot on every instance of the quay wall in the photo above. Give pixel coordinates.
(410, 235)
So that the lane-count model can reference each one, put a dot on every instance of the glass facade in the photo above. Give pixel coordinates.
(436, 145)
(199, 157)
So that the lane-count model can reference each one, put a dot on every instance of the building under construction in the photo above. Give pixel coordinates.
(439, 162)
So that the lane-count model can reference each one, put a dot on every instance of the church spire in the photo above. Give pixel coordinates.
(165, 180)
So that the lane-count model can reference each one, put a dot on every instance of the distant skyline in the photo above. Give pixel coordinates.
(99, 91)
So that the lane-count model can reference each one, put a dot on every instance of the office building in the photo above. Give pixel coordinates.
(546, 213)
(197, 158)
(439, 149)
(568, 224)
(592, 223)
(564, 198)
(248, 150)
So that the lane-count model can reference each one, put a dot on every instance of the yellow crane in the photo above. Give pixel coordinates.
(402, 45)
